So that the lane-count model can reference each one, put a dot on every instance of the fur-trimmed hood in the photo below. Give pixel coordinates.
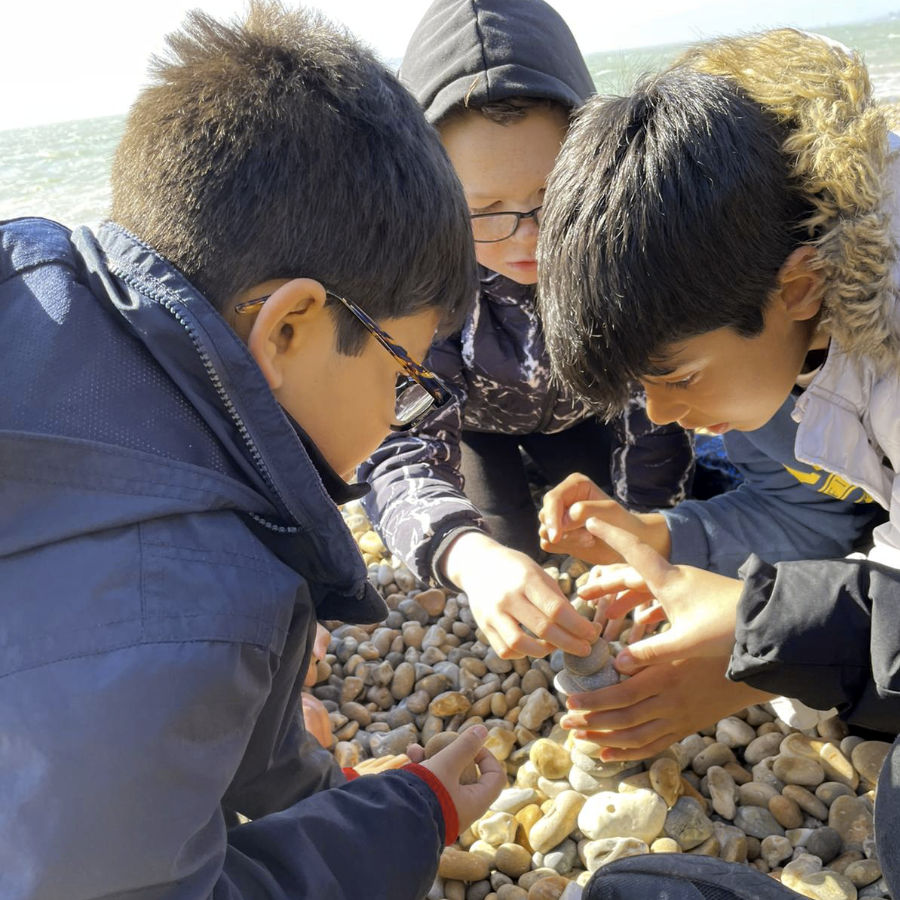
(839, 148)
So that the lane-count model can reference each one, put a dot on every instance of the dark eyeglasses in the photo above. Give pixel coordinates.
(419, 392)
(488, 228)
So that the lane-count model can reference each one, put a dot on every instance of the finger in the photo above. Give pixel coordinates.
(656, 649)
(557, 500)
(615, 696)
(651, 614)
(415, 752)
(615, 754)
(634, 551)
(544, 604)
(511, 642)
(613, 629)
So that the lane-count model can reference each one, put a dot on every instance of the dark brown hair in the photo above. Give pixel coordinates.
(277, 146)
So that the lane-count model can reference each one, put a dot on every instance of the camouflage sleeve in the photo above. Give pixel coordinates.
(652, 465)
(417, 496)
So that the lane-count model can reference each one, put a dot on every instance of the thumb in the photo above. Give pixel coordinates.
(640, 556)
(660, 648)
(465, 748)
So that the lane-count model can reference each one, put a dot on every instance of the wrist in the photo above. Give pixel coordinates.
(655, 532)
(462, 555)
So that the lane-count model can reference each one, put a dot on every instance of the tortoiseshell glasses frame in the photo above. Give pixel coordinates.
(419, 392)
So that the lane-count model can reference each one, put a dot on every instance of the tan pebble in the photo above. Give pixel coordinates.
(868, 758)
(511, 892)
(497, 828)
(549, 888)
(454, 890)
(734, 849)
(852, 819)
(558, 822)
(526, 817)
(863, 872)
(532, 680)
(529, 879)
(688, 790)
(461, 865)
(640, 781)
(369, 542)
(512, 859)
(500, 742)
(499, 705)
(433, 725)
(482, 707)
(806, 800)
(836, 766)
(738, 773)
(756, 793)
(665, 845)
(716, 754)
(786, 812)
(450, 703)
(483, 849)
(665, 779)
(798, 770)
(527, 775)
(550, 759)
(467, 838)
(432, 601)
(710, 847)
(805, 875)
(346, 754)
(722, 791)
(524, 735)
(840, 863)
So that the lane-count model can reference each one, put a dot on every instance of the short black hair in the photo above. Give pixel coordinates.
(277, 146)
(668, 215)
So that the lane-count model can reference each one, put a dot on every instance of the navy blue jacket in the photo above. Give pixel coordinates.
(167, 543)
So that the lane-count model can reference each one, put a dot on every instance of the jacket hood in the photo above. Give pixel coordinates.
(838, 143)
(472, 52)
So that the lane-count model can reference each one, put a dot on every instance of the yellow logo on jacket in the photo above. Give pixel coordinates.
(831, 484)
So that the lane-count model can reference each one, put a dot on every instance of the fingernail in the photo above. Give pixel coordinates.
(479, 731)
(551, 533)
(625, 661)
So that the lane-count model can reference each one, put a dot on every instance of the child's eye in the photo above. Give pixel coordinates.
(683, 383)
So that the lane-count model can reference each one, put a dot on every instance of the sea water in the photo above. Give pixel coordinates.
(61, 171)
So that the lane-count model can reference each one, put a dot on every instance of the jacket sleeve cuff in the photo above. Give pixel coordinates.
(350, 773)
(451, 819)
(441, 544)
(689, 541)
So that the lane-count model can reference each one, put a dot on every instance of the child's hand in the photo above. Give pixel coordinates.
(572, 502)
(701, 606)
(662, 703)
(320, 648)
(509, 591)
(470, 800)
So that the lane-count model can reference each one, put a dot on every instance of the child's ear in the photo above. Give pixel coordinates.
(801, 284)
(281, 326)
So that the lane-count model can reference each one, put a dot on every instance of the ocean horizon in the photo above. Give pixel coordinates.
(61, 170)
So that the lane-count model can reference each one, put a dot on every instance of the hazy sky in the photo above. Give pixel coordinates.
(88, 57)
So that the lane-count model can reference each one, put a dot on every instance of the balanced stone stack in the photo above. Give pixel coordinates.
(750, 789)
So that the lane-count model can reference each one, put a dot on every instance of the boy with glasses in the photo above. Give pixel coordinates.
(500, 79)
(183, 391)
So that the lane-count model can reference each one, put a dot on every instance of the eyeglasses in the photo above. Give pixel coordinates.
(419, 392)
(488, 228)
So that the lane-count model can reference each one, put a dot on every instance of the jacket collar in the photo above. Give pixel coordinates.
(213, 368)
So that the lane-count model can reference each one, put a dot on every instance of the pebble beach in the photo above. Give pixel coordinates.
(748, 789)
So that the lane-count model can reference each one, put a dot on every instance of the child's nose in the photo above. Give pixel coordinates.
(662, 409)
(527, 232)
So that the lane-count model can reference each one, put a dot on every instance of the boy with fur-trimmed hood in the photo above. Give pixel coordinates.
(741, 208)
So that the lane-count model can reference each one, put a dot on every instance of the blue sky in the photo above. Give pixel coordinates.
(87, 58)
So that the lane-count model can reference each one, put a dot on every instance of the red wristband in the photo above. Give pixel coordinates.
(451, 819)
(349, 773)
